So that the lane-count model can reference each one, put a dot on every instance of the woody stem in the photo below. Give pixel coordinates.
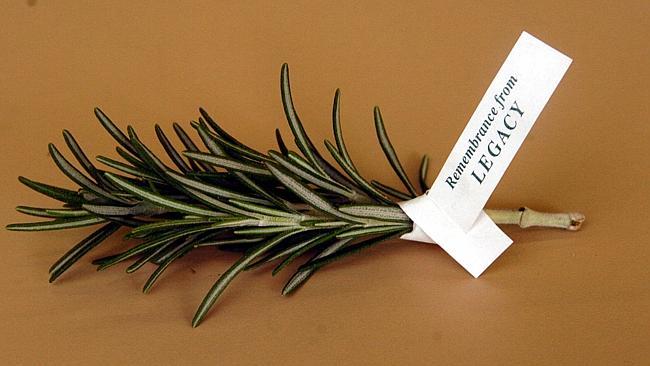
(525, 217)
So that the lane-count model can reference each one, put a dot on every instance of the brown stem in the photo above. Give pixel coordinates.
(525, 217)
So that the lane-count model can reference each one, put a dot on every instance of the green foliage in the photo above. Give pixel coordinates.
(273, 207)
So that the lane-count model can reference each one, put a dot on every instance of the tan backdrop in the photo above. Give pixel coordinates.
(554, 297)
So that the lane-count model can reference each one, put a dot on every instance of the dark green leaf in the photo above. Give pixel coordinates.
(141, 209)
(301, 162)
(150, 256)
(81, 249)
(171, 151)
(167, 224)
(338, 134)
(317, 180)
(136, 172)
(266, 230)
(215, 149)
(159, 200)
(225, 279)
(76, 176)
(281, 145)
(390, 153)
(50, 212)
(221, 132)
(362, 182)
(295, 246)
(390, 191)
(239, 149)
(190, 146)
(136, 162)
(351, 249)
(424, 167)
(150, 244)
(83, 159)
(237, 241)
(308, 195)
(373, 230)
(264, 210)
(151, 160)
(58, 224)
(301, 276)
(380, 212)
(177, 253)
(60, 194)
(319, 240)
(302, 140)
(228, 163)
(117, 134)
(213, 189)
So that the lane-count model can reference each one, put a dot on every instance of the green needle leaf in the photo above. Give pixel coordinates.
(209, 141)
(225, 242)
(390, 153)
(50, 212)
(60, 194)
(264, 230)
(112, 129)
(296, 246)
(362, 182)
(167, 224)
(227, 163)
(424, 167)
(159, 200)
(225, 279)
(365, 231)
(302, 140)
(83, 159)
(213, 190)
(151, 255)
(308, 195)
(308, 245)
(76, 176)
(264, 210)
(177, 253)
(171, 151)
(351, 249)
(79, 250)
(136, 162)
(141, 209)
(317, 180)
(150, 244)
(64, 212)
(136, 172)
(379, 212)
(239, 149)
(248, 182)
(301, 162)
(281, 145)
(151, 160)
(390, 191)
(301, 276)
(189, 145)
(58, 224)
(222, 133)
(338, 134)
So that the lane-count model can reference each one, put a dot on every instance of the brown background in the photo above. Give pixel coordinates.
(553, 298)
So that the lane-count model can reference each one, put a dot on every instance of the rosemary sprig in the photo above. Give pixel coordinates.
(272, 207)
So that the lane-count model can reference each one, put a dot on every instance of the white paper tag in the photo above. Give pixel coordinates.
(474, 250)
(450, 214)
(498, 127)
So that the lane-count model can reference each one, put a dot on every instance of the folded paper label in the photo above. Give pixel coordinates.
(450, 213)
